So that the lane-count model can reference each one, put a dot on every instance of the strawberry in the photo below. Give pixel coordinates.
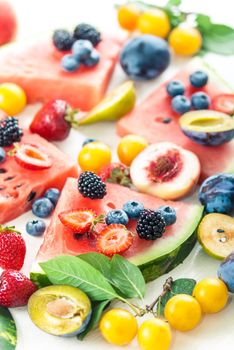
(15, 289)
(114, 239)
(31, 157)
(79, 221)
(54, 120)
(117, 173)
(12, 249)
(224, 103)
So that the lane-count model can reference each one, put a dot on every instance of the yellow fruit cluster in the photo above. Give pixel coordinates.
(184, 39)
(182, 312)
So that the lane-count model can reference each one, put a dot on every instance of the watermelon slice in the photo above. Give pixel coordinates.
(20, 186)
(154, 258)
(36, 68)
(146, 120)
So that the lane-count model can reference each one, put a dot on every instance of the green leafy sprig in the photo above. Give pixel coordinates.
(104, 280)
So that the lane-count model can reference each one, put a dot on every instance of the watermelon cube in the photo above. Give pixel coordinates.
(20, 186)
(147, 120)
(36, 68)
(153, 257)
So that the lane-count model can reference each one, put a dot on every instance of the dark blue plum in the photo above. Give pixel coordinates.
(200, 100)
(226, 272)
(209, 138)
(145, 57)
(116, 216)
(181, 104)
(198, 79)
(217, 193)
(175, 87)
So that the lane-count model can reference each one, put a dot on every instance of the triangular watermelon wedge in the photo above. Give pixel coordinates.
(36, 67)
(154, 257)
(146, 120)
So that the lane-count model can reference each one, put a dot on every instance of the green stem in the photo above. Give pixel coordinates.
(138, 311)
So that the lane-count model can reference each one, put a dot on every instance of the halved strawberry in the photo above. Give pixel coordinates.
(79, 221)
(31, 157)
(224, 103)
(114, 239)
(116, 173)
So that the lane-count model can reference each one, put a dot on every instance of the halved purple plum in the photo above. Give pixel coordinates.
(208, 127)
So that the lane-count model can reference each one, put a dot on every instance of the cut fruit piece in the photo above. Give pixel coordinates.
(224, 103)
(35, 66)
(147, 120)
(114, 239)
(20, 186)
(79, 221)
(60, 310)
(207, 127)
(32, 158)
(114, 106)
(216, 235)
(164, 170)
(154, 258)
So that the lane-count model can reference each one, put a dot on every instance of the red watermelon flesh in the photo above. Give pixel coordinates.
(20, 186)
(36, 68)
(146, 120)
(60, 240)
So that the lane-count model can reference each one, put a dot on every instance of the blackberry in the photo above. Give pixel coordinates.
(90, 185)
(10, 131)
(87, 32)
(151, 225)
(62, 40)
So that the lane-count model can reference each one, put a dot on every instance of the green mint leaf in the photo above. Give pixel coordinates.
(203, 22)
(8, 335)
(179, 286)
(127, 278)
(76, 272)
(171, 3)
(99, 261)
(217, 38)
(97, 310)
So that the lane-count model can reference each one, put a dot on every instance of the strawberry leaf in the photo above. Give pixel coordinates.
(8, 334)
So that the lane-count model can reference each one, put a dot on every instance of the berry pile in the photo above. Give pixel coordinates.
(10, 132)
(82, 42)
(199, 100)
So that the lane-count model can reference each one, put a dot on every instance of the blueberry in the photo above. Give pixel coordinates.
(82, 49)
(35, 227)
(69, 63)
(181, 104)
(42, 207)
(198, 79)
(175, 87)
(133, 209)
(145, 57)
(92, 60)
(226, 272)
(53, 195)
(200, 100)
(168, 213)
(217, 193)
(2, 155)
(86, 141)
(117, 216)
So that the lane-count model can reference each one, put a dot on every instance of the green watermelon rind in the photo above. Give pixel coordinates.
(151, 267)
(8, 333)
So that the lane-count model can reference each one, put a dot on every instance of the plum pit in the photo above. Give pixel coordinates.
(165, 167)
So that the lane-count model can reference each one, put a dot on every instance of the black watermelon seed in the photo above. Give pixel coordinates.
(31, 196)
